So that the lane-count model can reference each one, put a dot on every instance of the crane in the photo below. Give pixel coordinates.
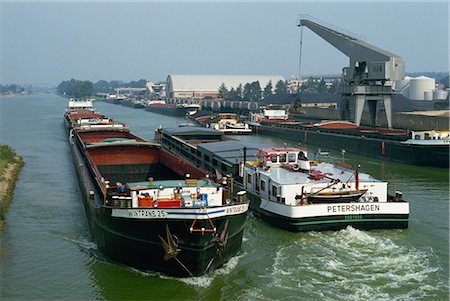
(369, 76)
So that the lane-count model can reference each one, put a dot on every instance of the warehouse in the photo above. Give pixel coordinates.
(200, 86)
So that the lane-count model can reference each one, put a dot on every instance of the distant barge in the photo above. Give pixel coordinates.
(173, 109)
(142, 208)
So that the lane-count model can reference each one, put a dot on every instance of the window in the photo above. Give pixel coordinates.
(291, 157)
(223, 167)
(273, 158)
(282, 158)
(214, 162)
(249, 179)
(263, 185)
(301, 156)
(274, 190)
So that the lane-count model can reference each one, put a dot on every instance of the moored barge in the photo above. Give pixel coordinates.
(378, 143)
(173, 109)
(151, 210)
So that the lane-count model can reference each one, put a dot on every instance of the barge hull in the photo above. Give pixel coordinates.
(138, 242)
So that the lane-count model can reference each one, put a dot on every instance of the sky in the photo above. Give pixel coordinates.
(48, 42)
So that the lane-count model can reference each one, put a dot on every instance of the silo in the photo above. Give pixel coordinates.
(440, 95)
(419, 85)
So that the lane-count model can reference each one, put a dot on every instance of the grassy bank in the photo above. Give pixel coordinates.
(10, 166)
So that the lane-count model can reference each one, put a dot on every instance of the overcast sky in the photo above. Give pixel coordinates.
(50, 42)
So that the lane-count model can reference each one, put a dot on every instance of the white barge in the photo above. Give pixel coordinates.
(293, 193)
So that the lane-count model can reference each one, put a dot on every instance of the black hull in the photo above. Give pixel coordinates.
(137, 242)
(172, 111)
(436, 156)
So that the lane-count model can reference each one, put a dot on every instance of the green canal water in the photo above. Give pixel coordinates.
(47, 253)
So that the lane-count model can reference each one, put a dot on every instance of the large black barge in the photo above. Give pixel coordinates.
(396, 145)
(144, 211)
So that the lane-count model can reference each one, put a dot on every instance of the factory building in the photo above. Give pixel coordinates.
(200, 86)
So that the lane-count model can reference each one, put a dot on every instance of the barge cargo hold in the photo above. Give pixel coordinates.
(144, 212)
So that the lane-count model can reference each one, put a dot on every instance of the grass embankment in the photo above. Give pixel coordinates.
(10, 166)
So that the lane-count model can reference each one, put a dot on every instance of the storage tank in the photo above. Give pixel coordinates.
(428, 95)
(216, 105)
(440, 95)
(243, 105)
(234, 105)
(227, 104)
(253, 106)
(419, 85)
(207, 104)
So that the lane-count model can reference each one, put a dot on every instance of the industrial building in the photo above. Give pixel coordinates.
(200, 86)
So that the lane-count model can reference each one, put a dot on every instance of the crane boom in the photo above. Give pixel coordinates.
(369, 76)
(368, 63)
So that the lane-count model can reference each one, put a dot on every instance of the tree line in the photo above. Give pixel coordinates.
(252, 91)
(76, 88)
(12, 88)
(84, 88)
(103, 86)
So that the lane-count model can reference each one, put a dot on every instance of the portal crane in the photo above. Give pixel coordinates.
(369, 76)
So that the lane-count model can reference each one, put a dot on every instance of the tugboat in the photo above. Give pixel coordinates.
(151, 210)
(293, 193)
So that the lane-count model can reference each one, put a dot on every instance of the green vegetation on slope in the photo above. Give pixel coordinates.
(10, 166)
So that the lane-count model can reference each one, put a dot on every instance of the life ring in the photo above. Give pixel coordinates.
(296, 167)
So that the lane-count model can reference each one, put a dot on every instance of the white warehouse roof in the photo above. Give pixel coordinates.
(203, 82)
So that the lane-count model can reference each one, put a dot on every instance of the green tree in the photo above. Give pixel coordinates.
(239, 91)
(268, 89)
(223, 91)
(256, 91)
(281, 87)
(76, 88)
(246, 93)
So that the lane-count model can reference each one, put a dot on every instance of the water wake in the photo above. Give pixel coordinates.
(207, 279)
(354, 265)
